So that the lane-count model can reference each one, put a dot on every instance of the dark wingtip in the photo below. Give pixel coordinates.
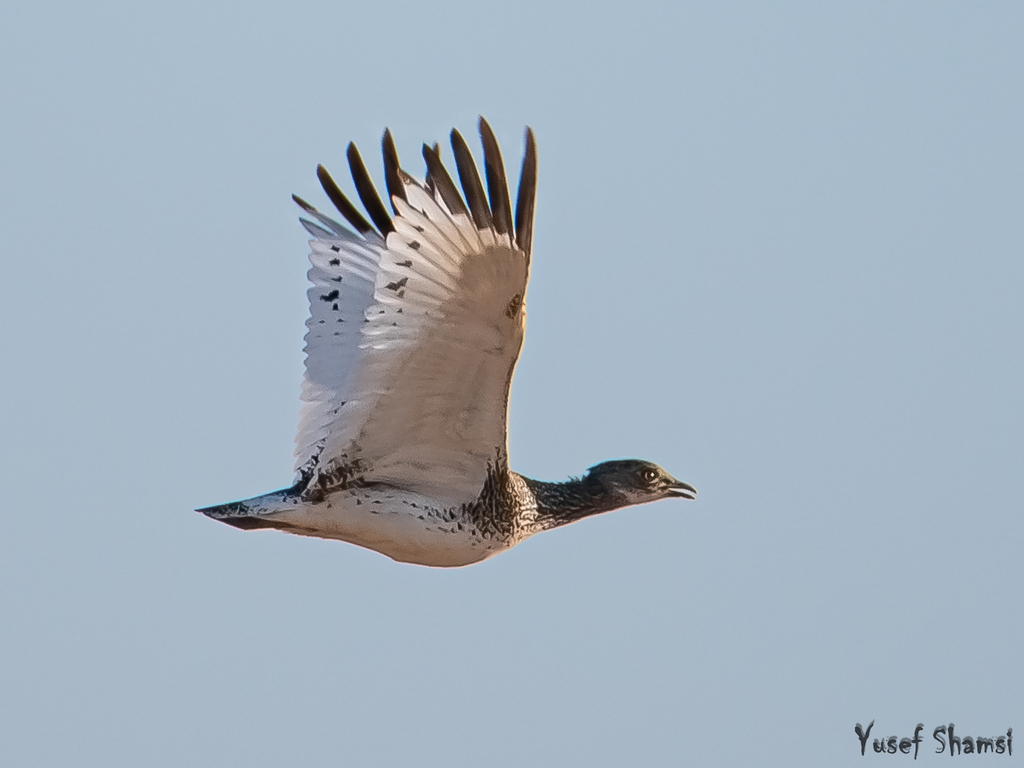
(304, 206)
(527, 196)
(367, 192)
(342, 203)
(497, 185)
(429, 177)
(442, 181)
(392, 169)
(472, 188)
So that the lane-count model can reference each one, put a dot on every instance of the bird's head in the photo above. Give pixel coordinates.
(632, 481)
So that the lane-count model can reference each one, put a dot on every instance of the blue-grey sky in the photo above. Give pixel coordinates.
(779, 250)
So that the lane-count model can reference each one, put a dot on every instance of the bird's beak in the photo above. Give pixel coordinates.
(681, 490)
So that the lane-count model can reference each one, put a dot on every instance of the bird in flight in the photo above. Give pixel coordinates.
(416, 322)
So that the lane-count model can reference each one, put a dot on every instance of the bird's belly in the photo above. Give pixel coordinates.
(401, 525)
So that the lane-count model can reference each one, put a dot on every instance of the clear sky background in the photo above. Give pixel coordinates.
(779, 250)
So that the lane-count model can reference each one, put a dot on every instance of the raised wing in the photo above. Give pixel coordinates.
(343, 273)
(414, 332)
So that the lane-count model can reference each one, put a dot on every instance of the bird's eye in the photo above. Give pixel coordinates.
(649, 475)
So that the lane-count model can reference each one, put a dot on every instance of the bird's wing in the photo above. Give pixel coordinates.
(343, 273)
(417, 398)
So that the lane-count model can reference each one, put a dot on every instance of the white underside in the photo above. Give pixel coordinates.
(404, 526)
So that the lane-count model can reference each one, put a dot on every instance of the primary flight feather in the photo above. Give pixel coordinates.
(416, 322)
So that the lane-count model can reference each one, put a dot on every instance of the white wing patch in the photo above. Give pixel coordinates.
(410, 353)
(343, 272)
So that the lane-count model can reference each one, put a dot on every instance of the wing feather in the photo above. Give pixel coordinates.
(343, 274)
(470, 179)
(342, 203)
(367, 192)
(497, 186)
(445, 186)
(527, 196)
(458, 237)
(392, 170)
(413, 340)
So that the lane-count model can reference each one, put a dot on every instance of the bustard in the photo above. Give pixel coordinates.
(416, 322)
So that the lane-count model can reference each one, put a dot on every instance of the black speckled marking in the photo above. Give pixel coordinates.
(340, 477)
(514, 306)
(496, 512)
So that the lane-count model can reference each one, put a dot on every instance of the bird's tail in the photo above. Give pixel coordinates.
(257, 512)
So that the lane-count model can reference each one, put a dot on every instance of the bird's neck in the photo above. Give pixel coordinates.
(564, 503)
